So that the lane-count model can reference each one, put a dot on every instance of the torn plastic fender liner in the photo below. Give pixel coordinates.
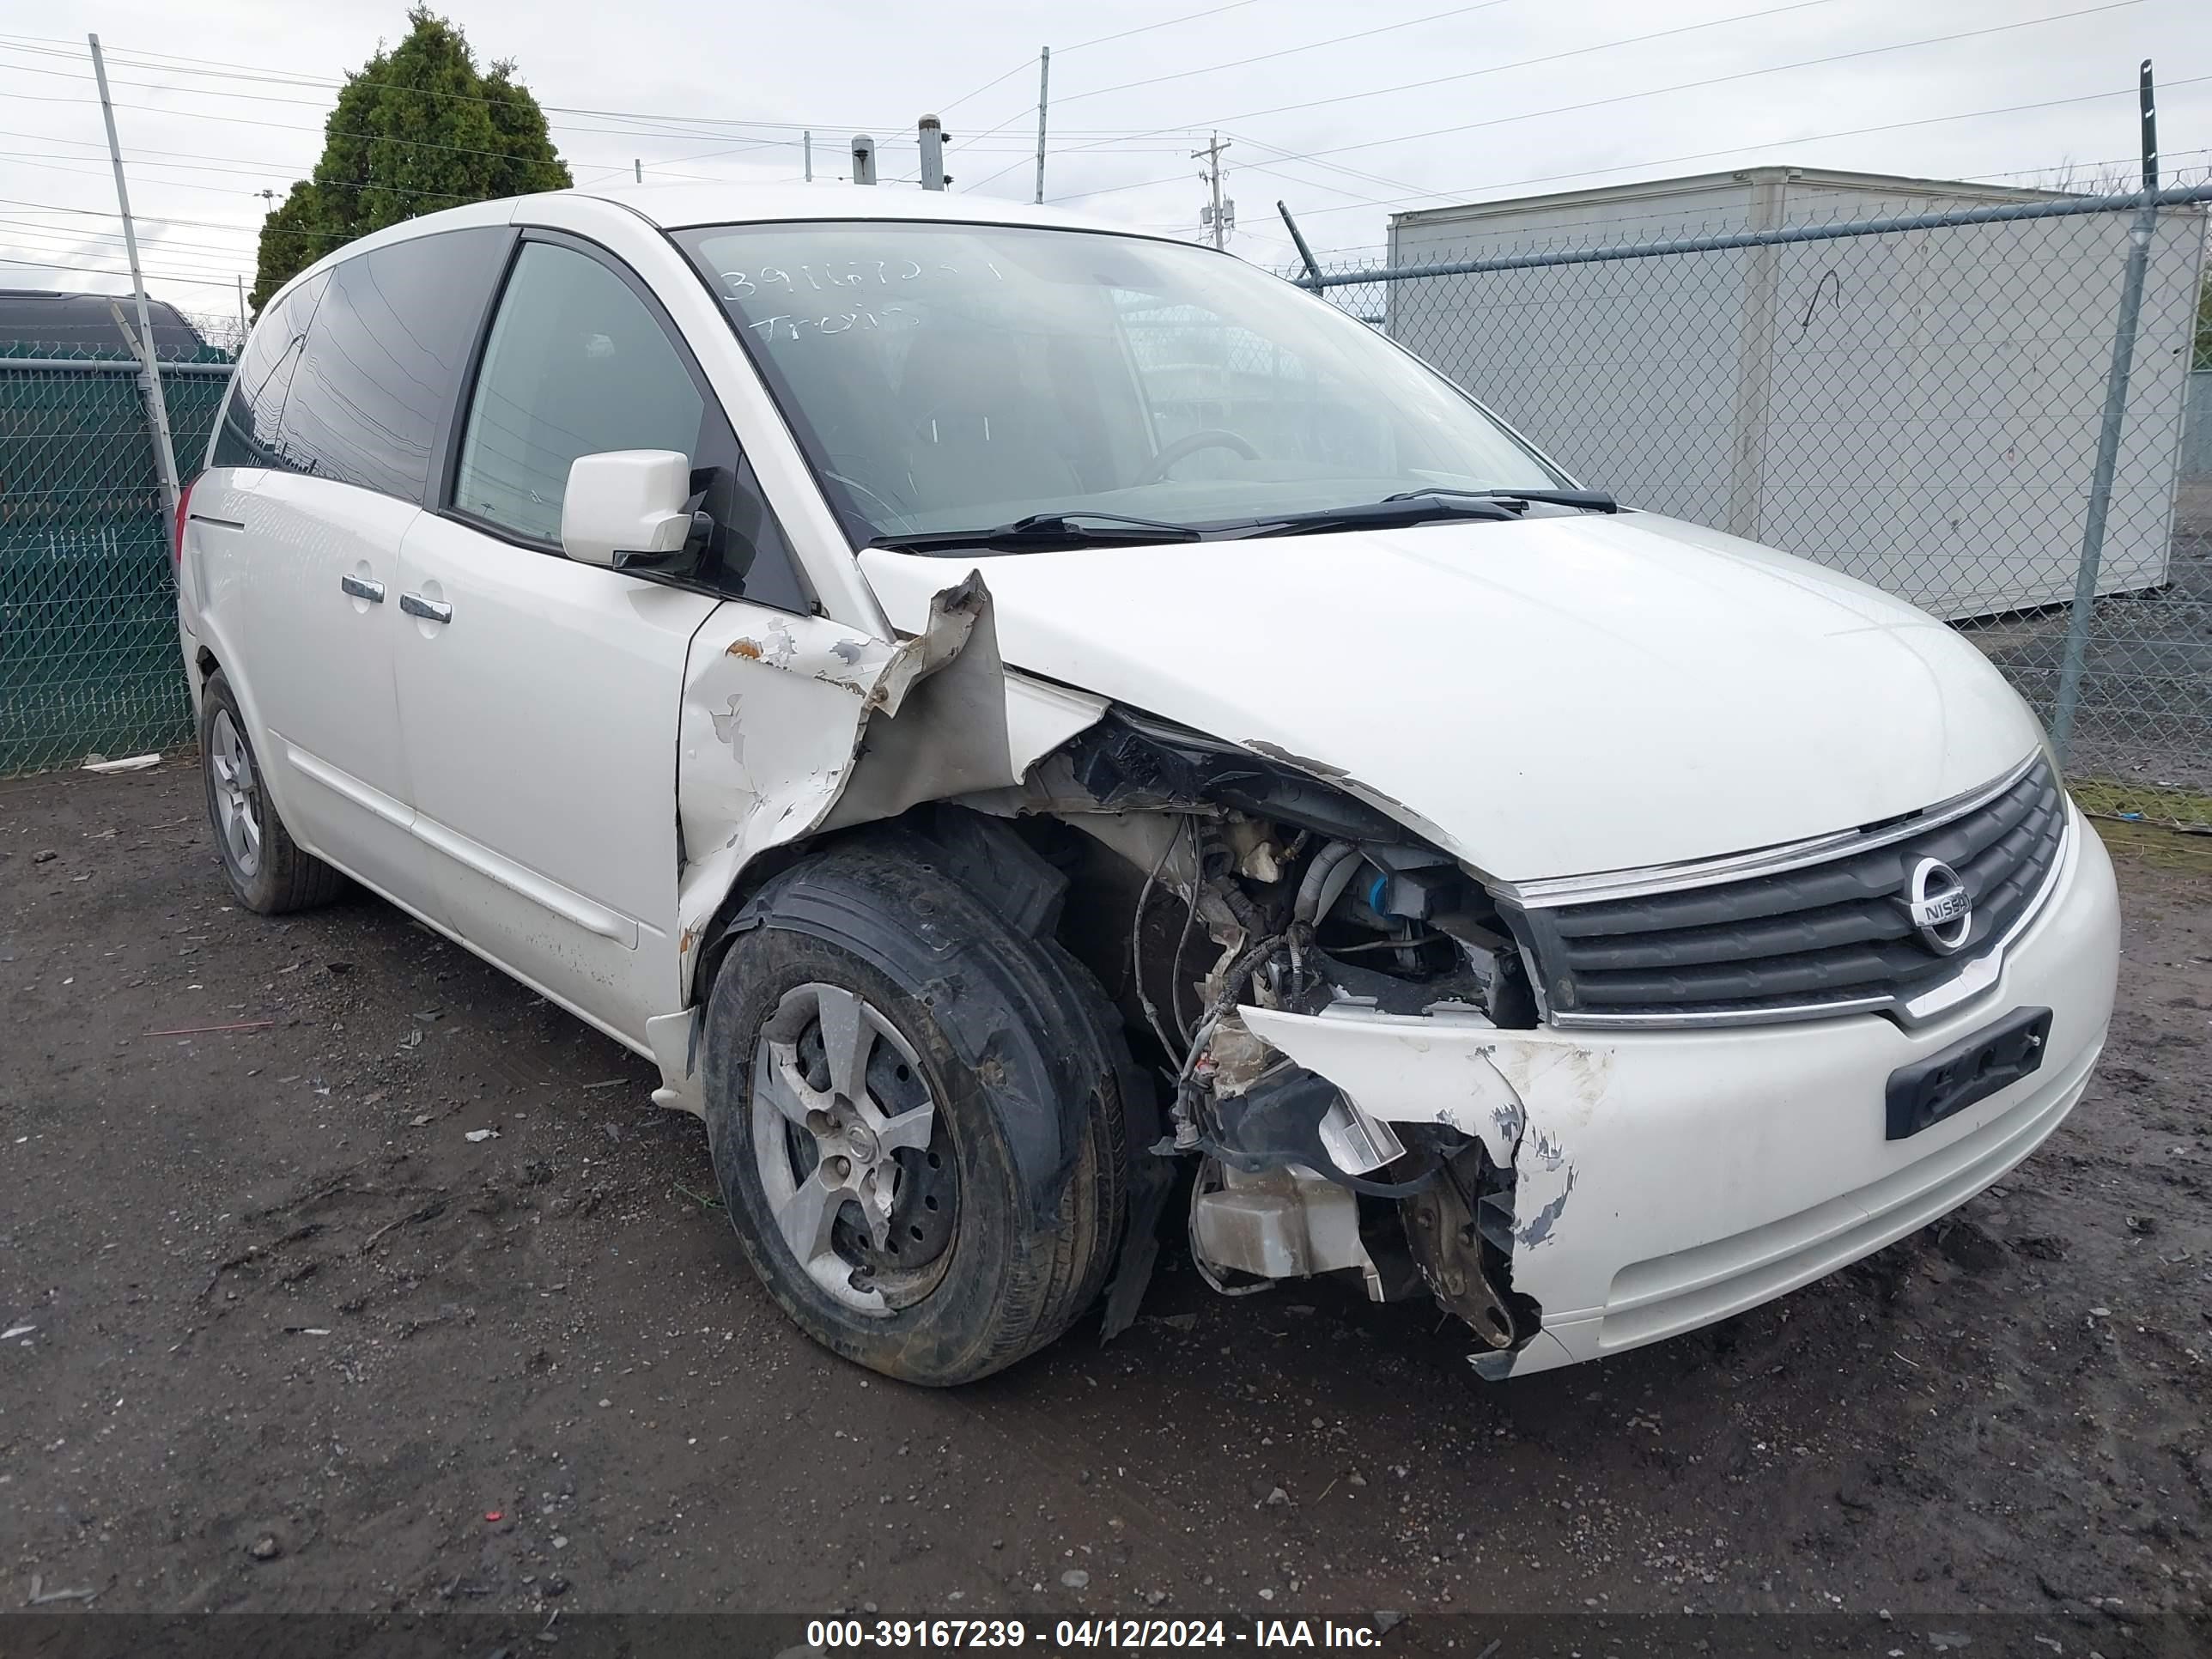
(1522, 1094)
(783, 716)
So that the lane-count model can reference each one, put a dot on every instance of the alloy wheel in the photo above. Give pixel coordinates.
(237, 794)
(851, 1149)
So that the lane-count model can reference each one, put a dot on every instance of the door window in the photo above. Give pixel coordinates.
(385, 356)
(576, 364)
(248, 436)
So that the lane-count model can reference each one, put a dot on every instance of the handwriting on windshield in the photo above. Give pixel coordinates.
(851, 273)
(791, 325)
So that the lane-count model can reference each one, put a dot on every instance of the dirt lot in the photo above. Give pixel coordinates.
(297, 1342)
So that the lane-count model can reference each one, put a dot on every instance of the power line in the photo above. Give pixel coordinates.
(294, 126)
(55, 165)
(1735, 150)
(263, 74)
(143, 218)
(1288, 156)
(1100, 40)
(102, 271)
(1164, 24)
(1584, 51)
(1652, 92)
(174, 265)
(1286, 51)
(417, 143)
(945, 109)
(1528, 63)
(17, 227)
(82, 233)
(196, 161)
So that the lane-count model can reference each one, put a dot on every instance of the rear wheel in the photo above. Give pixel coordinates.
(915, 1116)
(265, 868)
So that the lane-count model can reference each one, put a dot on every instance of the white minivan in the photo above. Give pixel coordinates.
(1008, 713)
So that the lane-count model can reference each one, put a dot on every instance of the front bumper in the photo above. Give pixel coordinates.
(1667, 1179)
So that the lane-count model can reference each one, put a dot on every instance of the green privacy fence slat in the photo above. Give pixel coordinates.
(88, 660)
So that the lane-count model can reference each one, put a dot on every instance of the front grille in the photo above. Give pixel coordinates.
(1826, 936)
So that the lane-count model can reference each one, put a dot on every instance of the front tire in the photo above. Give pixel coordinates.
(267, 869)
(885, 1058)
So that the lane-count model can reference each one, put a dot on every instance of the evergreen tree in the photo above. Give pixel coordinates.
(419, 127)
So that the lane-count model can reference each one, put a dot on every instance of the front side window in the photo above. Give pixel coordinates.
(576, 364)
(948, 377)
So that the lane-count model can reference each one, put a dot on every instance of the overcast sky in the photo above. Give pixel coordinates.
(1435, 102)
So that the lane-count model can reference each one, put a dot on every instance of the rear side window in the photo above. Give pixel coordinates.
(384, 358)
(248, 436)
(576, 364)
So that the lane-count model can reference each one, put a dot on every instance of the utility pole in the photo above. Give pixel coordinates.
(241, 313)
(1220, 216)
(1044, 92)
(806, 139)
(637, 170)
(157, 408)
(864, 159)
(932, 134)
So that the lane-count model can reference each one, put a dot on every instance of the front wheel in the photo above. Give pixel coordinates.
(915, 1116)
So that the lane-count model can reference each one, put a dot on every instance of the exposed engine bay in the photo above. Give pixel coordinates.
(1200, 877)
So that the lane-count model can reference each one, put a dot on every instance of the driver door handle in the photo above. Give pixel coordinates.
(436, 610)
(361, 587)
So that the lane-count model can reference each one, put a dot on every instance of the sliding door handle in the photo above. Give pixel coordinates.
(436, 610)
(361, 587)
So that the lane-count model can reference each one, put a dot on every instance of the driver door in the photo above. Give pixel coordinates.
(538, 697)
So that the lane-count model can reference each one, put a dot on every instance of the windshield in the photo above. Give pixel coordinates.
(946, 377)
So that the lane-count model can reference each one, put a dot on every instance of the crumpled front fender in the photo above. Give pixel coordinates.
(792, 724)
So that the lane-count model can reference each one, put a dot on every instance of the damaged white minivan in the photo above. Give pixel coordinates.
(1046, 735)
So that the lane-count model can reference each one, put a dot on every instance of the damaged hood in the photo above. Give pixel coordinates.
(1555, 696)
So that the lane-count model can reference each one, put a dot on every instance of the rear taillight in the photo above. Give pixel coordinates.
(184, 506)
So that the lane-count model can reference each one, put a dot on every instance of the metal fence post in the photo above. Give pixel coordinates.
(2075, 659)
(157, 405)
(1754, 369)
(1312, 278)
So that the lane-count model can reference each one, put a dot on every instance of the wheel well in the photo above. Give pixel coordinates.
(750, 879)
(990, 854)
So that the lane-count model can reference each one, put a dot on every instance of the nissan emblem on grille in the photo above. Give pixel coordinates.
(1942, 911)
(1854, 922)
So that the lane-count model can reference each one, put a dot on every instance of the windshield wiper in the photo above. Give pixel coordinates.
(1422, 507)
(1590, 501)
(1043, 530)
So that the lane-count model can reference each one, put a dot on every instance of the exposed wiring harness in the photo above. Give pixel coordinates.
(1137, 945)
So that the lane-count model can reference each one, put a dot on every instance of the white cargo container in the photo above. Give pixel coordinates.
(1918, 407)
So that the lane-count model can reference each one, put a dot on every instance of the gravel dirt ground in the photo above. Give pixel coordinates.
(286, 1330)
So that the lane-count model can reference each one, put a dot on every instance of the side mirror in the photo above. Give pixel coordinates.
(625, 501)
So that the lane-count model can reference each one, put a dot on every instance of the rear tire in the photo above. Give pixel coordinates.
(889, 1062)
(264, 867)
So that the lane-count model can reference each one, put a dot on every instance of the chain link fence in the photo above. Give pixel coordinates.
(1926, 400)
(89, 661)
